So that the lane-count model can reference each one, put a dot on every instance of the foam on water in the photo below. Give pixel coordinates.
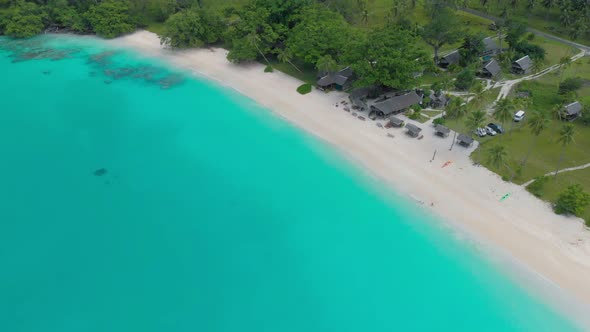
(133, 198)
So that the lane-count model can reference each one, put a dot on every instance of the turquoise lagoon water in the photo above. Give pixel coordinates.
(211, 215)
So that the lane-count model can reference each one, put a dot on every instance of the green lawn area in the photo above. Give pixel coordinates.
(554, 186)
(554, 50)
(307, 74)
(155, 27)
(537, 18)
(432, 113)
(545, 153)
(544, 89)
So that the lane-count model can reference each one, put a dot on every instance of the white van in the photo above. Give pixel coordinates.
(518, 116)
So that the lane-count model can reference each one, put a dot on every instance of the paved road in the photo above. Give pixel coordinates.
(585, 48)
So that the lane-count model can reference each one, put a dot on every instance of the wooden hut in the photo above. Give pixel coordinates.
(571, 111)
(441, 131)
(464, 140)
(413, 130)
(523, 65)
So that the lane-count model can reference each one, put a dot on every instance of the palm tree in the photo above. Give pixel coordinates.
(326, 64)
(538, 122)
(564, 64)
(474, 121)
(285, 56)
(538, 65)
(478, 97)
(504, 110)
(456, 109)
(497, 155)
(566, 137)
(254, 39)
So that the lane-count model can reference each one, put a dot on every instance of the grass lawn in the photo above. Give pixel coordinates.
(554, 187)
(544, 89)
(554, 50)
(545, 153)
(422, 118)
(432, 113)
(307, 75)
(538, 18)
(155, 27)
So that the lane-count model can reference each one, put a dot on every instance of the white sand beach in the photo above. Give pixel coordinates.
(555, 248)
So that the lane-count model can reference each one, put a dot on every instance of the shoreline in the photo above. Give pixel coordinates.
(553, 250)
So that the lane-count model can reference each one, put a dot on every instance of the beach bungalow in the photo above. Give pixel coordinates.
(491, 48)
(490, 69)
(464, 140)
(358, 98)
(438, 99)
(450, 59)
(413, 130)
(523, 65)
(441, 131)
(571, 111)
(395, 122)
(394, 105)
(335, 80)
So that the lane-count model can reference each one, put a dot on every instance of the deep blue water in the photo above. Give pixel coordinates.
(212, 215)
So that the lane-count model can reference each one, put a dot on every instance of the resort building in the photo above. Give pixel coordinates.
(571, 111)
(491, 48)
(413, 130)
(490, 69)
(394, 105)
(452, 58)
(523, 65)
(438, 99)
(335, 80)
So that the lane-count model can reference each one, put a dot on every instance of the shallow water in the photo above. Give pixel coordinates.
(136, 199)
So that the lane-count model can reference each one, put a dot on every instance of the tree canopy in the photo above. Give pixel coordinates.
(110, 18)
(443, 29)
(387, 57)
(192, 28)
(23, 19)
(573, 200)
(320, 32)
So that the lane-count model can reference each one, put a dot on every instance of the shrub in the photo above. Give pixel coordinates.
(304, 88)
(416, 107)
(415, 115)
(439, 121)
(573, 200)
(570, 84)
(536, 187)
(268, 69)
(535, 52)
(530, 36)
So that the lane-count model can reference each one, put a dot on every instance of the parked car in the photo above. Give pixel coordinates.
(497, 128)
(490, 131)
(480, 132)
(518, 116)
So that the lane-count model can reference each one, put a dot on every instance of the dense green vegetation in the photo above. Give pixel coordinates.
(388, 43)
(568, 18)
